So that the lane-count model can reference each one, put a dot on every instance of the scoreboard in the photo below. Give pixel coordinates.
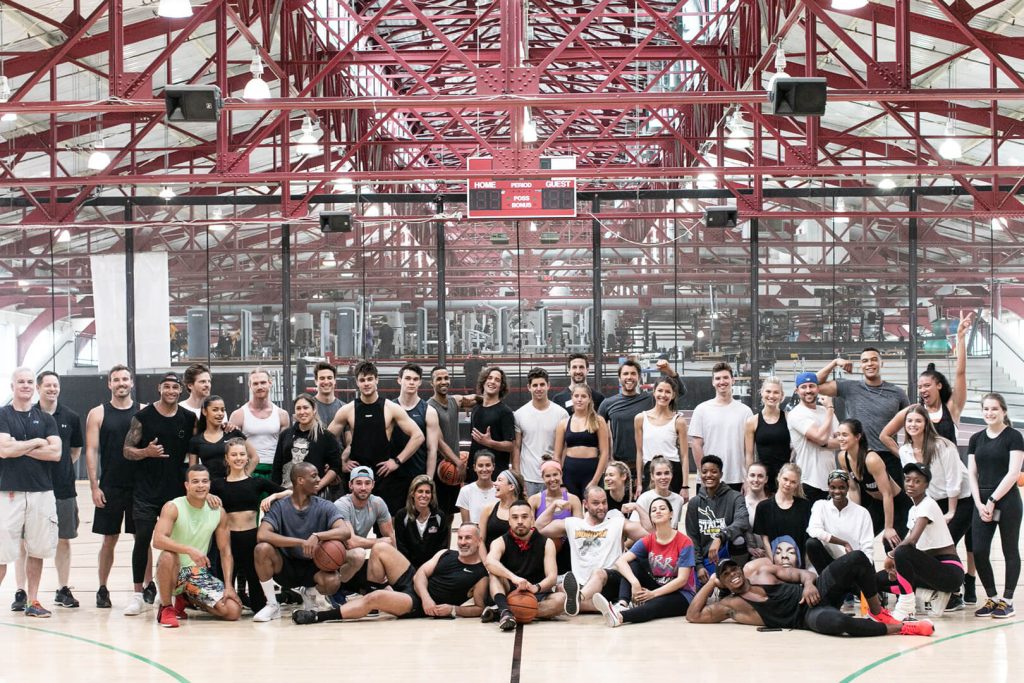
(551, 198)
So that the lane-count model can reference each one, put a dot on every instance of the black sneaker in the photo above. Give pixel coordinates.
(572, 594)
(20, 601)
(507, 621)
(103, 598)
(304, 616)
(149, 593)
(955, 604)
(970, 594)
(489, 614)
(64, 598)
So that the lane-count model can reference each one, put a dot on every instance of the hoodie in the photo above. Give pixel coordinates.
(724, 515)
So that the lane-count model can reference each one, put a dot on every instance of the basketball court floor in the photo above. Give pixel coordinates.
(87, 644)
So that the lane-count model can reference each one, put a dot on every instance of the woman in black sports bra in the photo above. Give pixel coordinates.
(877, 478)
(618, 484)
(582, 442)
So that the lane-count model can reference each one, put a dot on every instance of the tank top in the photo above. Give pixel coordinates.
(660, 440)
(867, 484)
(566, 512)
(262, 433)
(448, 417)
(772, 441)
(527, 562)
(495, 525)
(369, 433)
(194, 527)
(945, 425)
(782, 609)
(617, 504)
(453, 579)
(115, 470)
(417, 464)
(583, 437)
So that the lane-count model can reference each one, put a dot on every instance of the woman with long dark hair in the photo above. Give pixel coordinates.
(208, 444)
(420, 528)
(662, 431)
(306, 440)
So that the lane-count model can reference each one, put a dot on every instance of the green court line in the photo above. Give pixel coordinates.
(134, 655)
(879, 662)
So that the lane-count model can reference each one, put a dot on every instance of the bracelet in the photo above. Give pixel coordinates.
(453, 612)
(397, 461)
(684, 487)
(992, 499)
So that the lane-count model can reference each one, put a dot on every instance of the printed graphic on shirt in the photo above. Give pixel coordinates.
(300, 449)
(590, 541)
(709, 522)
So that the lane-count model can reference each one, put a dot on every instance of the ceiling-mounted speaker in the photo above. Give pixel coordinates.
(335, 221)
(193, 102)
(721, 216)
(798, 96)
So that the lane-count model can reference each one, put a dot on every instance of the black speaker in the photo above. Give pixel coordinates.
(720, 216)
(798, 96)
(335, 221)
(193, 102)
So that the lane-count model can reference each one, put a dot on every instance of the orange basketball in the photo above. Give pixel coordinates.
(523, 605)
(329, 556)
(448, 473)
(1020, 479)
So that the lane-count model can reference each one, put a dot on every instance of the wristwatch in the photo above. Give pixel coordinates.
(397, 461)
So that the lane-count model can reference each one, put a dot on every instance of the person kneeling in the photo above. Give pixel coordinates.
(187, 524)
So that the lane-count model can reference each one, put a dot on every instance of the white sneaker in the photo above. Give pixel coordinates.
(611, 616)
(268, 613)
(310, 598)
(136, 605)
(938, 602)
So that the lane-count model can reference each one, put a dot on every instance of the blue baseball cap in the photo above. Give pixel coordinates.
(361, 471)
(806, 378)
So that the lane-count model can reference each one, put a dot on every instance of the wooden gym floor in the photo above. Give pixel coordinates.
(88, 644)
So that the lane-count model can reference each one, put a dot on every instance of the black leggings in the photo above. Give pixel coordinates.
(140, 551)
(960, 525)
(1010, 510)
(577, 473)
(243, 549)
(851, 573)
(817, 555)
(901, 505)
(918, 569)
(674, 604)
(829, 621)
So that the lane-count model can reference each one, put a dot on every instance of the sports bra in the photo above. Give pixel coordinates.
(581, 438)
(496, 526)
(945, 425)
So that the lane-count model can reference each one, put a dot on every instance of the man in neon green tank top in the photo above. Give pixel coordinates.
(183, 533)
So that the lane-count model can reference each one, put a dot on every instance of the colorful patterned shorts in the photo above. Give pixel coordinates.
(202, 589)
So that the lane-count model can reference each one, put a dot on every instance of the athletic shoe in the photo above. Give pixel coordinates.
(507, 621)
(885, 617)
(339, 598)
(168, 619)
(970, 594)
(850, 605)
(20, 600)
(611, 615)
(64, 598)
(917, 628)
(987, 610)
(906, 606)
(955, 604)
(572, 594)
(310, 598)
(149, 593)
(489, 614)
(37, 610)
(136, 605)
(268, 613)
(622, 605)
(103, 598)
(937, 605)
(1003, 610)
(180, 603)
(304, 616)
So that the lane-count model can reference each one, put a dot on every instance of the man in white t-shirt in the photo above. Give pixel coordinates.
(812, 425)
(535, 431)
(595, 542)
(717, 427)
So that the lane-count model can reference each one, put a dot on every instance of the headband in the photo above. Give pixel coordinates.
(549, 465)
(507, 476)
(838, 474)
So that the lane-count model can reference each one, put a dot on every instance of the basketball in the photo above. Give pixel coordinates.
(1020, 479)
(329, 556)
(448, 473)
(523, 606)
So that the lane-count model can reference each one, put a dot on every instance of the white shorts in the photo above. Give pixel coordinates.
(29, 516)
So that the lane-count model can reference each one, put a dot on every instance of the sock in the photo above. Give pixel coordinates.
(1008, 601)
(501, 602)
(268, 591)
(329, 615)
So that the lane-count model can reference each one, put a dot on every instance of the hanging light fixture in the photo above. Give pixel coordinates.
(63, 236)
(840, 208)
(999, 223)
(780, 65)
(848, 4)
(738, 138)
(5, 95)
(950, 148)
(167, 193)
(257, 88)
(887, 183)
(307, 141)
(99, 159)
(529, 127)
(174, 9)
(707, 181)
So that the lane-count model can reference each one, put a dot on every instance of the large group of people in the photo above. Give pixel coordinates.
(580, 500)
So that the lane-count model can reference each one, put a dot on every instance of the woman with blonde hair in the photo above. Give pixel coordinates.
(582, 442)
(766, 435)
(786, 513)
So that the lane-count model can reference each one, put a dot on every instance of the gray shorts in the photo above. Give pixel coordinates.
(533, 487)
(67, 518)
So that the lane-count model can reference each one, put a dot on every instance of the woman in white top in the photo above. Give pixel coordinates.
(661, 479)
(662, 431)
(926, 557)
(757, 478)
(474, 497)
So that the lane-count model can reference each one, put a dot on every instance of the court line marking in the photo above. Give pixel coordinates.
(134, 655)
(517, 654)
(896, 655)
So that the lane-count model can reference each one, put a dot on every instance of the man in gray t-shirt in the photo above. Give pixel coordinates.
(871, 400)
(365, 511)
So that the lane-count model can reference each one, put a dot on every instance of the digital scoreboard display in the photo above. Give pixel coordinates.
(554, 198)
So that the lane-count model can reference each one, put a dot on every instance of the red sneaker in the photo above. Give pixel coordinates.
(917, 628)
(167, 617)
(885, 617)
(180, 603)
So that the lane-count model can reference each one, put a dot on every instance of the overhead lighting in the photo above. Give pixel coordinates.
(887, 183)
(529, 127)
(167, 193)
(329, 261)
(848, 4)
(738, 138)
(343, 185)
(23, 283)
(707, 181)
(5, 95)
(99, 159)
(999, 223)
(257, 88)
(307, 141)
(63, 236)
(840, 208)
(950, 148)
(780, 65)
(216, 215)
(174, 9)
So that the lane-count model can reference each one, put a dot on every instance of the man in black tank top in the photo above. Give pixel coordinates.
(394, 489)
(370, 421)
(111, 476)
(774, 597)
(522, 560)
(158, 443)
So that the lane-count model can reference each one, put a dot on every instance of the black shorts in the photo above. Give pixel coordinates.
(358, 583)
(107, 520)
(296, 572)
(610, 590)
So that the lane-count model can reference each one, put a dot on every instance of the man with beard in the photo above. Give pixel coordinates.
(261, 421)
(811, 426)
(447, 408)
(577, 375)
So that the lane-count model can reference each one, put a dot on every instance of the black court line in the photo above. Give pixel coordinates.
(517, 655)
